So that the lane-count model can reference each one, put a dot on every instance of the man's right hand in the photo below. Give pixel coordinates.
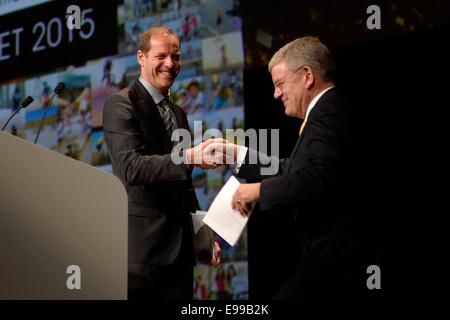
(222, 152)
(206, 160)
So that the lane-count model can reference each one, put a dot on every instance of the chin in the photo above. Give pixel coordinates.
(166, 84)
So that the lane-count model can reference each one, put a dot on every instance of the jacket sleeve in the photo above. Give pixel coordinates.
(258, 166)
(126, 148)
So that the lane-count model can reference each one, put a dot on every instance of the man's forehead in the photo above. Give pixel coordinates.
(280, 67)
(279, 71)
(163, 47)
(165, 37)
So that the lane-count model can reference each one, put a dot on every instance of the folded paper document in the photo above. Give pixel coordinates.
(225, 221)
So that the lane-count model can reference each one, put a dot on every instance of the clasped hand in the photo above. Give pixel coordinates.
(212, 153)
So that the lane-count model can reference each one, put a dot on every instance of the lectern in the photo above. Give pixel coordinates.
(63, 226)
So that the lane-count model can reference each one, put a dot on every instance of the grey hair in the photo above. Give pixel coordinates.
(308, 51)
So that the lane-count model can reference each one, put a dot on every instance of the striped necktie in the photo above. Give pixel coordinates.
(167, 115)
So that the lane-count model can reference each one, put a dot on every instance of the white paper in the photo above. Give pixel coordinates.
(197, 220)
(225, 221)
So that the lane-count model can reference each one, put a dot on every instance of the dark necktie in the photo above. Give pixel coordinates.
(168, 116)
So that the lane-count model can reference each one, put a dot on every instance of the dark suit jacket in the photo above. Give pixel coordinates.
(160, 193)
(316, 183)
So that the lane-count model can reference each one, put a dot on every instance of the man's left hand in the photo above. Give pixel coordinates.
(245, 196)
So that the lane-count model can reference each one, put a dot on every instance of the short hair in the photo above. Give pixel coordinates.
(144, 42)
(308, 51)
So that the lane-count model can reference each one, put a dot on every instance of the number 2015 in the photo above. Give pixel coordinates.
(52, 33)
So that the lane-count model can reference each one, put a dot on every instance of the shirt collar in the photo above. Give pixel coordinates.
(156, 95)
(314, 101)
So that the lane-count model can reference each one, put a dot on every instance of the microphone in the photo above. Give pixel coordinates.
(59, 88)
(23, 104)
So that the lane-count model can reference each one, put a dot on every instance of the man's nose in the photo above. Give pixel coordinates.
(168, 62)
(277, 93)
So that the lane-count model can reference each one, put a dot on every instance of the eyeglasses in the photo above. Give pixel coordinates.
(280, 83)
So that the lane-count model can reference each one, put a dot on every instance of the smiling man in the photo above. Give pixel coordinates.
(317, 184)
(159, 57)
(138, 123)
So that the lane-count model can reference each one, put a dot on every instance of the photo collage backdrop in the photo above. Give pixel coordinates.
(209, 88)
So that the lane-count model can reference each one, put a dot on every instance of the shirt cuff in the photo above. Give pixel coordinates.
(187, 161)
(240, 157)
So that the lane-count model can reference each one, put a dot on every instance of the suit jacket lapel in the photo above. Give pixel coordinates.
(300, 138)
(295, 150)
(146, 107)
(179, 117)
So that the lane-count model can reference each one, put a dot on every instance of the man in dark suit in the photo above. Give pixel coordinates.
(316, 184)
(138, 123)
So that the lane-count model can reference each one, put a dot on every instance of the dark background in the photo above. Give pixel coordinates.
(395, 77)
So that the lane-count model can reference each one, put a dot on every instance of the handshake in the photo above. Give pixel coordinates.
(212, 153)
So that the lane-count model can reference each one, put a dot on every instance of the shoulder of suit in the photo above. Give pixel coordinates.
(121, 96)
(124, 93)
(330, 94)
(332, 102)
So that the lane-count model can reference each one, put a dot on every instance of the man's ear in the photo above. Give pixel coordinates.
(140, 57)
(310, 78)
